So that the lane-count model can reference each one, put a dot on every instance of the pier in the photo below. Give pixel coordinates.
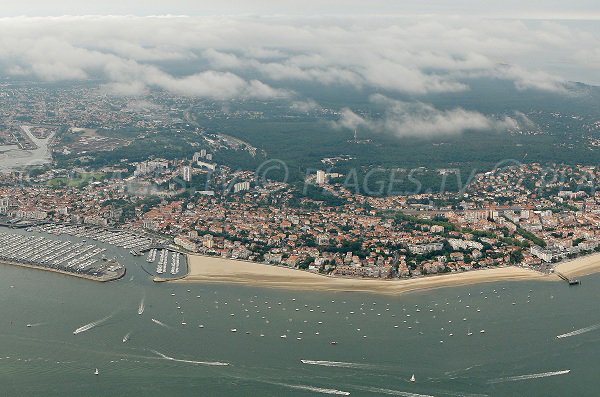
(571, 281)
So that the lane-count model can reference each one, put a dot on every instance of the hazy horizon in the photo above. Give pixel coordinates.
(537, 9)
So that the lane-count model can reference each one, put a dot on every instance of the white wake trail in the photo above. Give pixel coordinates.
(315, 389)
(91, 325)
(531, 376)
(579, 331)
(155, 321)
(340, 364)
(212, 363)
(391, 392)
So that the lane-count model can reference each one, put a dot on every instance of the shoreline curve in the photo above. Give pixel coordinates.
(220, 270)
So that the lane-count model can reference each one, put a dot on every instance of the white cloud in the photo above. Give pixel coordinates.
(229, 57)
(305, 106)
(537, 79)
(418, 119)
(132, 89)
(524, 120)
(211, 84)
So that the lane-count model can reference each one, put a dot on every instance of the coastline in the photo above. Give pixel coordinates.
(78, 275)
(581, 266)
(214, 269)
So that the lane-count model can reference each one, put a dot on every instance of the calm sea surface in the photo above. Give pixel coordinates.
(381, 340)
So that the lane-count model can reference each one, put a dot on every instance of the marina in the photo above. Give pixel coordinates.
(119, 238)
(169, 263)
(80, 259)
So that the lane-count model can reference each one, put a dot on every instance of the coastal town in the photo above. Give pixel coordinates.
(502, 218)
(218, 195)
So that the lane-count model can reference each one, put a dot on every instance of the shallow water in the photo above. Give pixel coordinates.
(381, 340)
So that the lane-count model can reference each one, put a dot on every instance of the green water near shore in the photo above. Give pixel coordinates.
(381, 340)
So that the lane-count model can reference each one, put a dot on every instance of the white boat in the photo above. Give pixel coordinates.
(412, 378)
(141, 307)
(96, 372)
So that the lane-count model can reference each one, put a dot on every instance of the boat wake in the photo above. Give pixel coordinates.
(339, 364)
(142, 306)
(530, 376)
(315, 389)
(212, 363)
(155, 321)
(91, 325)
(391, 392)
(579, 331)
(126, 337)
(459, 371)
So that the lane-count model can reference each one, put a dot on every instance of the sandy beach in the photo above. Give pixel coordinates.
(580, 266)
(211, 269)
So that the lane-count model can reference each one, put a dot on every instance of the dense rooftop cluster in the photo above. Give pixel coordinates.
(397, 236)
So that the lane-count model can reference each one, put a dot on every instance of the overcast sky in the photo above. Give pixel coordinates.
(261, 48)
(556, 9)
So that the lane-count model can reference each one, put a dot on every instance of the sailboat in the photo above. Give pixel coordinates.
(96, 372)
(412, 378)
